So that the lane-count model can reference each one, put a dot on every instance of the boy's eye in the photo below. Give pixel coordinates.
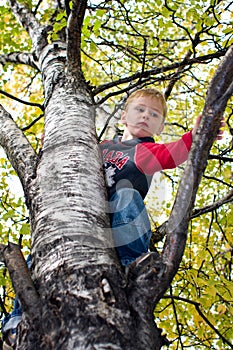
(140, 109)
(154, 115)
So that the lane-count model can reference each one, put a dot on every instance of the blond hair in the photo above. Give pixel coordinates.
(149, 92)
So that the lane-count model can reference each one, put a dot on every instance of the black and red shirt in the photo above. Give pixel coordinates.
(132, 163)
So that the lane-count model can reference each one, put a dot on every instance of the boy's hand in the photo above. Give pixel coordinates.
(197, 123)
(220, 131)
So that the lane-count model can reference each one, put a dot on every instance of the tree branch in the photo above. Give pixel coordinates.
(177, 226)
(143, 277)
(28, 20)
(74, 27)
(219, 157)
(158, 70)
(227, 199)
(160, 232)
(21, 101)
(27, 127)
(197, 307)
(21, 279)
(177, 319)
(19, 58)
(176, 75)
(19, 151)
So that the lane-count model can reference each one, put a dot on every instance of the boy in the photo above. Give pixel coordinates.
(130, 164)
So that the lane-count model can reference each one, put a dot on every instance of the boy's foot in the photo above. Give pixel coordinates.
(142, 258)
(5, 346)
(141, 264)
(9, 340)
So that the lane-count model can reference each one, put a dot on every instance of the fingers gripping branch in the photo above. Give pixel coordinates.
(19, 151)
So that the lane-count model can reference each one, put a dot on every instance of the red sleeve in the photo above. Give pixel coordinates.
(152, 157)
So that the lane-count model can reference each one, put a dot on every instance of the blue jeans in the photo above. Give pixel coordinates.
(130, 224)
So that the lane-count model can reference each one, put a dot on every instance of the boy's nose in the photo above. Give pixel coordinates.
(146, 114)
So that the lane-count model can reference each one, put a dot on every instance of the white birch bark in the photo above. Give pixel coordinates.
(20, 153)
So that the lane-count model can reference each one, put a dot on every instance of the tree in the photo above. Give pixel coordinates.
(80, 298)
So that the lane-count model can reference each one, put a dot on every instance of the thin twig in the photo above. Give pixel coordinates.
(22, 101)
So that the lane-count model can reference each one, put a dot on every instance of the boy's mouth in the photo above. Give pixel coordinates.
(143, 124)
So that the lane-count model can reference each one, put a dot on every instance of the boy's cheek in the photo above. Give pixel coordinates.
(123, 118)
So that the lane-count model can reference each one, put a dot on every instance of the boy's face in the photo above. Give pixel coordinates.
(143, 117)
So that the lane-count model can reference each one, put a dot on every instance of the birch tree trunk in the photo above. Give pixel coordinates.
(80, 288)
(80, 297)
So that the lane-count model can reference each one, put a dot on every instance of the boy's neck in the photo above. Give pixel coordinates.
(128, 136)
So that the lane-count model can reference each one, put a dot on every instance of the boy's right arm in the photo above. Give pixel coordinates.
(152, 157)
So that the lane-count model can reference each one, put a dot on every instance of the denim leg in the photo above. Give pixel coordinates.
(130, 224)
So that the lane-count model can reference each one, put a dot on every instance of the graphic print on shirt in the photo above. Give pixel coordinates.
(117, 160)
(109, 175)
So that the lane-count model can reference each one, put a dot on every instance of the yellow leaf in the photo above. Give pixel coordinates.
(221, 309)
(197, 319)
(211, 290)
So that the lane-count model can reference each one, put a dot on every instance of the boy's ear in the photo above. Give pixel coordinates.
(123, 117)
